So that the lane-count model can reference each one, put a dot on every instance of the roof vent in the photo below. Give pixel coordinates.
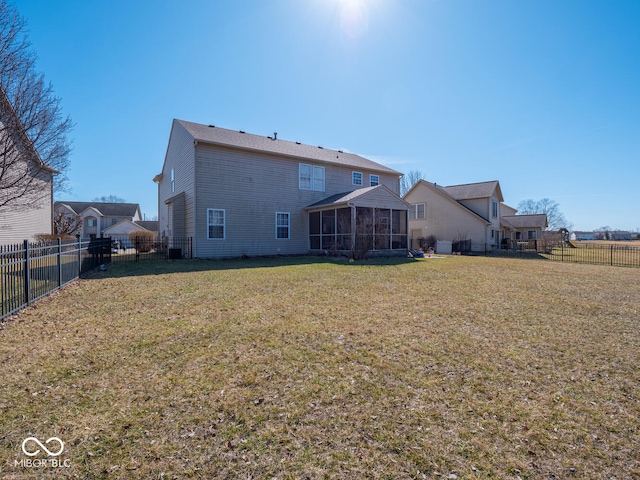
(275, 135)
(340, 151)
(242, 131)
(212, 126)
(320, 146)
(297, 143)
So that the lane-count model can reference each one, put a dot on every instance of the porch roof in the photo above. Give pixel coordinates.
(378, 196)
(527, 221)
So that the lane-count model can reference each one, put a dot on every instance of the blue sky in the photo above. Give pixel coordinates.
(542, 95)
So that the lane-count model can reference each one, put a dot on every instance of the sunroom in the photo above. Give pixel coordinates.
(368, 220)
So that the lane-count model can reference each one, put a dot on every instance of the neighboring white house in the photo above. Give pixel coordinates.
(239, 194)
(473, 212)
(102, 218)
(26, 182)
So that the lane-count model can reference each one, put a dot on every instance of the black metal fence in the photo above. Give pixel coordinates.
(595, 254)
(29, 271)
(128, 249)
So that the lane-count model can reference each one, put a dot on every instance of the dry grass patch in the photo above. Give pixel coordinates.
(306, 368)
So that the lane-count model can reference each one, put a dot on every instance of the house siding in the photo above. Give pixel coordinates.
(443, 218)
(180, 158)
(251, 187)
(19, 224)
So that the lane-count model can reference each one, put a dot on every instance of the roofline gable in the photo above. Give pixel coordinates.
(443, 193)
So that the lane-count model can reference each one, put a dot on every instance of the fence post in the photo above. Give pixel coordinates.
(611, 255)
(59, 262)
(79, 255)
(27, 274)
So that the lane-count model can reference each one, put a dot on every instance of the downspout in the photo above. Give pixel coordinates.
(353, 226)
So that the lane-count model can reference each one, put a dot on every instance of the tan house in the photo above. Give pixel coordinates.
(473, 213)
(26, 182)
(239, 194)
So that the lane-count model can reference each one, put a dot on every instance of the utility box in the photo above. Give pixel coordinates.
(175, 253)
(444, 247)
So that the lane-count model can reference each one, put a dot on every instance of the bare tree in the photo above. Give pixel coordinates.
(33, 131)
(66, 224)
(555, 218)
(110, 199)
(409, 180)
(603, 233)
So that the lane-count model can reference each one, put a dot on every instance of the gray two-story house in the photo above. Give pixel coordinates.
(238, 194)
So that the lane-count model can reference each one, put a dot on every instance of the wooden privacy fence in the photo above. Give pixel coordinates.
(29, 271)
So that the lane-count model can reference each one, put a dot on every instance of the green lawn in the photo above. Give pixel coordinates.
(317, 368)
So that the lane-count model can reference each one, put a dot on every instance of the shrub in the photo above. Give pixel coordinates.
(142, 240)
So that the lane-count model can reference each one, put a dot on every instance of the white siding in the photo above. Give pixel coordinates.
(20, 223)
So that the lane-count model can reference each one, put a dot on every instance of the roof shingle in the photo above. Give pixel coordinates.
(248, 141)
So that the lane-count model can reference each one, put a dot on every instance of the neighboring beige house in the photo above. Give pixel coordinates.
(473, 212)
(102, 218)
(239, 194)
(26, 182)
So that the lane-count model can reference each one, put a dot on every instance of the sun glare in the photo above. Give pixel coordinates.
(354, 17)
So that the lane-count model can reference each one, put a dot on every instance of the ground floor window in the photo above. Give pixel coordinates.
(283, 224)
(532, 235)
(374, 229)
(216, 222)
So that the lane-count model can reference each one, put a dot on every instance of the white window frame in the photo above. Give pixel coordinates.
(356, 178)
(224, 224)
(314, 175)
(414, 210)
(372, 182)
(494, 209)
(287, 225)
(532, 235)
(317, 180)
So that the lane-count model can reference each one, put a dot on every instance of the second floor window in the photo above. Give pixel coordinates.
(494, 209)
(356, 178)
(374, 180)
(311, 177)
(416, 211)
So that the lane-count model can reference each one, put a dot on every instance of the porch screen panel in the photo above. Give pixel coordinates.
(329, 229)
(343, 223)
(314, 230)
(399, 229)
(364, 228)
(382, 229)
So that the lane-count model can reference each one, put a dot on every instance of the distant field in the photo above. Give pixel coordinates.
(630, 243)
(455, 367)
